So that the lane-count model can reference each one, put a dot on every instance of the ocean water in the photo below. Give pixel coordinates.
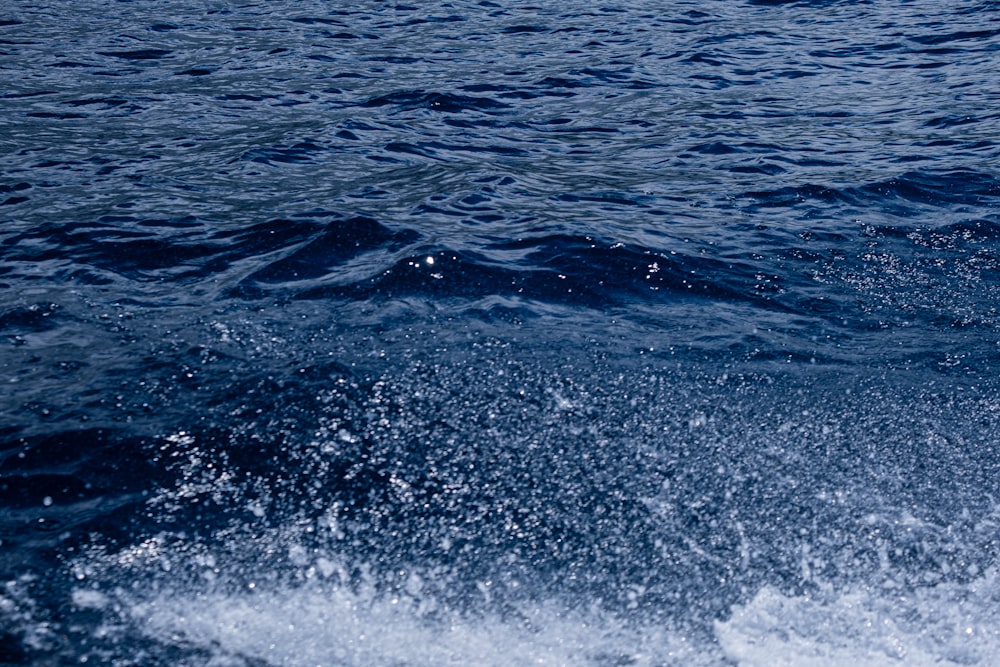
(480, 333)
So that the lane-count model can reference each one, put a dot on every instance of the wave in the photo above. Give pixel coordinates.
(322, 622)
(451, 508)
(497, 512)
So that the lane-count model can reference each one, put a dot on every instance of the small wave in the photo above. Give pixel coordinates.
(138, 54)
(444, 102)
(937, 189)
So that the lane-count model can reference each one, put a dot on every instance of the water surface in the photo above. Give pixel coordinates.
(501, 334)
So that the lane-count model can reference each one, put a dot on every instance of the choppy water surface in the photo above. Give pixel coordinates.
(373, 334)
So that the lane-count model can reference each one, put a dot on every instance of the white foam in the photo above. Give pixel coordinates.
(323, 621)
(320, 625)
(944, 625)
(949, 625)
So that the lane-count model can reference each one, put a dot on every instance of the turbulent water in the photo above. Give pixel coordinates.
(477, 333)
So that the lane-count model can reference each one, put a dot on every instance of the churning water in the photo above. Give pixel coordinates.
(477, 333)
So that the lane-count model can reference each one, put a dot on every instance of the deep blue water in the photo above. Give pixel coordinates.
(371, 334)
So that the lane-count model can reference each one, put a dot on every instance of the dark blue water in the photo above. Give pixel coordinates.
(374, 334)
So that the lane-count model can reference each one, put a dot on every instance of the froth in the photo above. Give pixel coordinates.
(320, 625)
(946, 624)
